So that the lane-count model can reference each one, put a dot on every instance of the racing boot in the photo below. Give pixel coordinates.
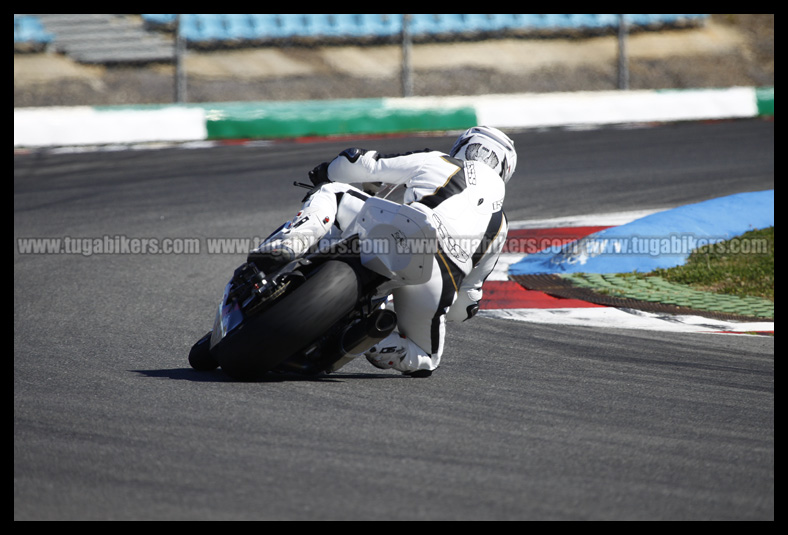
(293, 240)
(398, 353)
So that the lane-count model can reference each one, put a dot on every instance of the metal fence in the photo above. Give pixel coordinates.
(149, 48)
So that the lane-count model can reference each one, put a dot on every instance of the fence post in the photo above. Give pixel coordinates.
(407, 45)
(623, 61)
(180, 73)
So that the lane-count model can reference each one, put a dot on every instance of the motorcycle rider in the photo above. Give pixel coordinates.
(462, 192)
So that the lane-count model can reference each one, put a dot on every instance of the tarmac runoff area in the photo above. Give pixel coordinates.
(587, 278)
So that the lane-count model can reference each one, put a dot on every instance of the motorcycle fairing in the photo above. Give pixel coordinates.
(228, 317)
(395, 240)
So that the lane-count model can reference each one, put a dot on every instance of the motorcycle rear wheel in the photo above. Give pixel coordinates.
(299, 318)
(200, 356)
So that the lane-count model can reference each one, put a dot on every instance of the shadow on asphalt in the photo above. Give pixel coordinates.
(217, 376)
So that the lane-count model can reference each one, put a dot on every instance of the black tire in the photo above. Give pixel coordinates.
(200, 356)
(263, 342)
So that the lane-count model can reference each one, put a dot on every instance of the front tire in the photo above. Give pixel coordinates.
(263, 342)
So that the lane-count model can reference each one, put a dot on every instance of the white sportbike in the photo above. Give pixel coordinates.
(316, 313)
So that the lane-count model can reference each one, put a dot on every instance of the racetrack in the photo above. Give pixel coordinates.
(521, 422)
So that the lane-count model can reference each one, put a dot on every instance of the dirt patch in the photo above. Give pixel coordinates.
(731, 50)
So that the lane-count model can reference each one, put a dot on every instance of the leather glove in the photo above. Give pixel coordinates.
(319, 175)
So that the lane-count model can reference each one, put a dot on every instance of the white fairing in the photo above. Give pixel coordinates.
(395, 240)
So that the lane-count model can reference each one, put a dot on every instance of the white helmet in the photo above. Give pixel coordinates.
(488, 145)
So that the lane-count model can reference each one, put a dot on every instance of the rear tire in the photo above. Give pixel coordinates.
(200, 356)
(263, 342)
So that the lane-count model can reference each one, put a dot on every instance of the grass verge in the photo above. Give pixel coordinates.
(742, 266)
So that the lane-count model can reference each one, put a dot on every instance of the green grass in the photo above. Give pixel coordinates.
(742, 266)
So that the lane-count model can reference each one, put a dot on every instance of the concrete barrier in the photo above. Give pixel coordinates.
(69, 126)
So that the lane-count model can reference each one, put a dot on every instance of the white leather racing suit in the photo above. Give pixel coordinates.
(464, 201)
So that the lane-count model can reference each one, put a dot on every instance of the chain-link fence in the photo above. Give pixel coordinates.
(92, 59)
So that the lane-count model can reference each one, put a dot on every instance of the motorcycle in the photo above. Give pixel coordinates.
(317, 313)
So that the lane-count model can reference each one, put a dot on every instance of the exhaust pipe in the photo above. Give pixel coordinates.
(365, 334)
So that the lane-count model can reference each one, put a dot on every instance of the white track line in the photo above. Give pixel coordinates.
(626, 319)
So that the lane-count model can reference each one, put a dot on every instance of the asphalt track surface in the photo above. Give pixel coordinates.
(521, 422)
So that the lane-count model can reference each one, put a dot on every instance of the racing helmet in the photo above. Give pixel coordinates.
(488, 145)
